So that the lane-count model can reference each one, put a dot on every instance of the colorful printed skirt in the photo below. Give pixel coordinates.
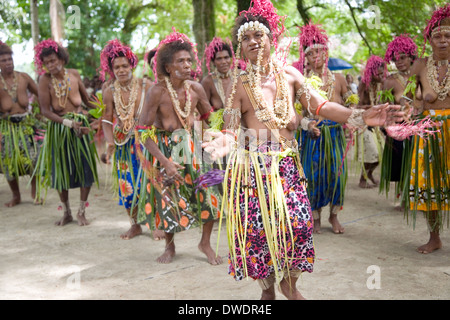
(175, 207)
(66, 161)
(19, 150)
(324, 165)
(429, 184)
(269, 220)
(127, 174)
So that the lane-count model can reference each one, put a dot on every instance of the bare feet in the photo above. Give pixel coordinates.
(335, 224)
(168, 254)
(14, 201)
(433, 244)
(67, 217)
(158, 235)
(290, 291)
(316, 228)
(268, 294)
(82, 221)
(134, 231)
(210, 255)
(365, 185)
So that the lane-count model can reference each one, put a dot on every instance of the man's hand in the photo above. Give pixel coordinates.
(383, 115)
(313, 130)
(218, 144)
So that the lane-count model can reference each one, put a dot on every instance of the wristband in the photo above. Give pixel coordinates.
(67, 123)
(304, 123)
(231, 132)
(320, 106)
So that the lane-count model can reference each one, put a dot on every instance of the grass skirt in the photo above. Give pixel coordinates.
(324, 165)
(428, 188)
(176, 207)
(19, 150)
(66, 161)
(269, 220)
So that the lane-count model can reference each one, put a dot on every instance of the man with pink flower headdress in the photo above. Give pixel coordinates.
(429, 162)
(269, 220)
(171, 200)
(123, 97)
(68, 156)
(369, 143)
(18, 148)
(402, 51)
(218, 54)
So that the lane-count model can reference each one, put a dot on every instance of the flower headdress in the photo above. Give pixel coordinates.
(265, 9)
(173, 37)
(371, 69)
(216, 45)
(440, 21)
(49, 43)
(112, 50)
(312, 36)
(401, 44)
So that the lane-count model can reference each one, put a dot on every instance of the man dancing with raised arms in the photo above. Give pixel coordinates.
(269, 218)
(19, 150)
(220, 54)
(170, 198)
(123, 98)
(68, 155)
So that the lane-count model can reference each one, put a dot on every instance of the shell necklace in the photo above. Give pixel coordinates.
(442, 89)
(125, 112)
(62, 88)
(13, 90)
(176, 101)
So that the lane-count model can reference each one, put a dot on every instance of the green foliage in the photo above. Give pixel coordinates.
(350, 24)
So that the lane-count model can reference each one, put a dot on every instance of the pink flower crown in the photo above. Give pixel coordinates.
(39, 64)
(113, 49)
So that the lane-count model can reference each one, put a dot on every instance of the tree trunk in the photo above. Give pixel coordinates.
(303, 11)
(204, 24)
(57, 18)
(242, 5)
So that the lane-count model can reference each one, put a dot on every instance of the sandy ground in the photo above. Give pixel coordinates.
(374, 259)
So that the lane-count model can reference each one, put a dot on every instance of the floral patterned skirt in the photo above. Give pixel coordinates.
(429, 184)
(177, 206)
(269, 220)
(128, 174)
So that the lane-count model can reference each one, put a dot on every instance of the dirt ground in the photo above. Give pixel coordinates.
(375, 259)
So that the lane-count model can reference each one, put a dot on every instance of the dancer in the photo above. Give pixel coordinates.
(220, 54)
(428, 190)
(370, 142)
(124, 99)
(269, 221)
(19, 150)
(323, 157)
(68, 155)
(402, 51)
(171, 198)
